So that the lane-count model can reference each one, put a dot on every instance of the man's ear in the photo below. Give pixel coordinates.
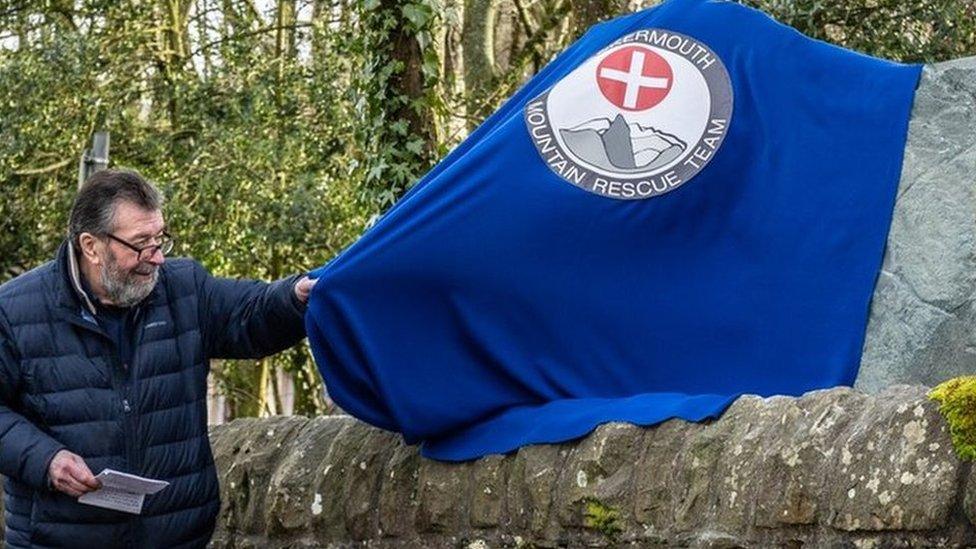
(88, 245)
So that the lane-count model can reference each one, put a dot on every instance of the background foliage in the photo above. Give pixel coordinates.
(279, 129)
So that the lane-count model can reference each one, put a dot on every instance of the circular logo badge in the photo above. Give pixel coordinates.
(636, 120)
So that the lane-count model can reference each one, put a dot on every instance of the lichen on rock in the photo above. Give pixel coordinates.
(602, 518)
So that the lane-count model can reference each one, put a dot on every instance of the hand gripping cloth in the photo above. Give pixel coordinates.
(688, 204)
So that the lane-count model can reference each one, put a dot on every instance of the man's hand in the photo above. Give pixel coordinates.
(69, 474)
(304, 287)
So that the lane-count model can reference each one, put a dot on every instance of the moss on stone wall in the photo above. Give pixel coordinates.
(957, 402)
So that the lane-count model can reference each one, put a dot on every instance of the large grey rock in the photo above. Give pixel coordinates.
(924, 306)
(835, 468)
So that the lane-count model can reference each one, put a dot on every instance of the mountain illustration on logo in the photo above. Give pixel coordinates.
(621, 147)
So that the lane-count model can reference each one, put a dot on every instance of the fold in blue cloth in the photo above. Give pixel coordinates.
(689, 204)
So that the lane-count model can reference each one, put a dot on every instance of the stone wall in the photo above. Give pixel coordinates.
(833, 468)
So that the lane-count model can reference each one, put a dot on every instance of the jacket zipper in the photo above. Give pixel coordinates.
(121, 383)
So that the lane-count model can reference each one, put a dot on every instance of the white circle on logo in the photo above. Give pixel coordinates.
(637, 119)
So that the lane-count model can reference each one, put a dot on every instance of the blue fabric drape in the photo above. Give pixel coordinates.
(498, 305)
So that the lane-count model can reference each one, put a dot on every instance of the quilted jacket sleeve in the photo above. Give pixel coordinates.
(248, 318)
(25, 450)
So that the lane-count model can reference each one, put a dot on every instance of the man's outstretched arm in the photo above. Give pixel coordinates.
(251, 318)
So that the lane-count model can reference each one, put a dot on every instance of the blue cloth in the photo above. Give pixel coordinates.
(63, 386)
(498, 304)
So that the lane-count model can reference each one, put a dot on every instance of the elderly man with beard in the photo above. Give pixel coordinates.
(104, 354)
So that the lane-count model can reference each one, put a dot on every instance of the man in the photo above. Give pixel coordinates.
(104, 355)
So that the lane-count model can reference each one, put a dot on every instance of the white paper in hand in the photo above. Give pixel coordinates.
(122, 491)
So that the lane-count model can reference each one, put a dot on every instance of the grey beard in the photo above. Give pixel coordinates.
(122, 288)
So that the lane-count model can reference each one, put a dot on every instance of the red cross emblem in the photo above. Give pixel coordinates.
(634, 78)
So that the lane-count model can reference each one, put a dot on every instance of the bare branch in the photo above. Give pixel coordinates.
(46, 169)
(525, 19)
(247, 34)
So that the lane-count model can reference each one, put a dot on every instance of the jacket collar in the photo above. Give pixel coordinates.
(72, 293)
(74, 275)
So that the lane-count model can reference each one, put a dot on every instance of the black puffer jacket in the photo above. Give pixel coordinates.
(62, 386)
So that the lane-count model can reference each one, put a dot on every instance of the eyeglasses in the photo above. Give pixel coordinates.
(164, 243)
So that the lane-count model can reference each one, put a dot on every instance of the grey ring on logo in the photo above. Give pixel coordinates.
(625, 184)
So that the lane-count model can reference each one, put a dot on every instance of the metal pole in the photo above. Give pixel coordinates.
(94, 159)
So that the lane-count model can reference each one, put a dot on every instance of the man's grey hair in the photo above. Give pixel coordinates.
(94, 208)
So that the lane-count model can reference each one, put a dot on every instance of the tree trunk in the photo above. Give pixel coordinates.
(321, 13)
(506, 35)
(264, 378)
(587, 13)
(172, 54)
(408, 83)
(478, 56)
